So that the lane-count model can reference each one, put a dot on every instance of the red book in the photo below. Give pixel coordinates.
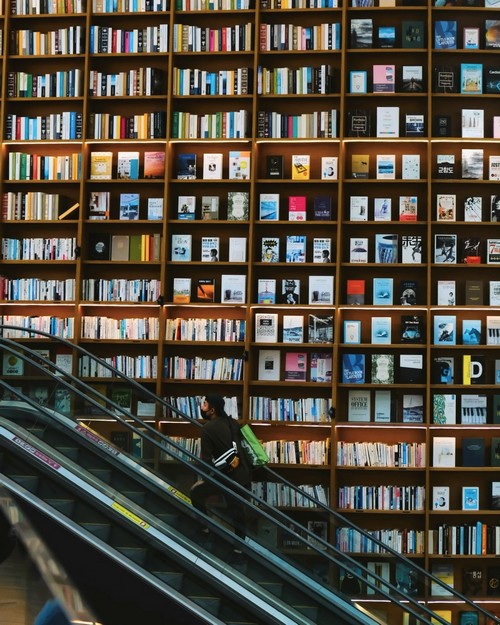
(297, 208)
(355, 291)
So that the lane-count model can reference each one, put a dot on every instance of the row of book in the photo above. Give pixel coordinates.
(298, 451)
(315, 125)
(140, 126)
(191, 38)
(474, 539)
(405, 541)
(143, 366)
(106, 328)
(295, 81)
(67, 125)
(198, 368)
(383, 497)
(121, 289)
(55, 42)
(218, 125)
(181, 329)
(51, 7)
(38, 248)
(132, 82)
(298, 366)
(31, 205)
(108, 40)
(37, 289)
(230, 82)
(129, 207)
(281, 37)
(124, 247)
(287, 409)
(380, 454)
(281, 495)
(64, 327)
(62, 84)
(190, 405)
(24, 166)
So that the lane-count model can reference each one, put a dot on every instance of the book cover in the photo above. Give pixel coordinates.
(493, 251)
(446, 293)
(381, 330)
(12, 365)
(383, 291)
(473, 453)
(181, 248)
(99, 205)
(443, 369)
(471, 78)
(408, 205)
(101, 165)
(266, 291)
(120, 247)
(473, 582)
(181, 291)
(446, 207)
(493, 581)
(387, 122)
(274, 166)
(384, 407)
(359, 405)
(411, 369)
(413, 408)
(210, 207)
(205, 290)
(329, 167)
(473, 208)
(495, 494)
(405, 579)
(122, 397)
(408, 292)
(269, 206)
(358, 123)
(386, 166)
(355, 292)
(155, 208)
(358, 208)
(320, 369)
(382, 368)
(471, 331)
(472, 163)
(445, 329)
(266, 327)
(269, 364)
(127, 165)
(360, 165)
(492, 80)
(361, 33)
(210, 249)
(358, 82)
(384, 78)
(290, 291)
(440, 498)
(322, 249)
(411, 249)
(445, 34)
(186, 166)
(412, 34)
(492, 34)
(494, 167)
(270, 249)
(445, 164)
(301, 166)
(444, 408)
(321, 290)
(445, 246)
(386, 248)
(352, 331)
(237, 205)
(495, 452)
(445, 79)
(353, 368)
(322, 207)
(297, 210)
(212, 166)
(320, 328)
(233, 288)
(473, 123)
(412, 329)
(474, 295)
(237, 249)
(413, 78)
(293, 328)
(473, 409)
(99, 246)
(444, 451)
(382, 209)
(239, 164)
(129, 206)
(444, 572)
(414, 125)
(386, 36)
(358, 250)
(410, 166)
(186, 207)
(154, 164)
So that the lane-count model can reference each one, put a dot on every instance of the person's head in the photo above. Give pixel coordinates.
(212, 406)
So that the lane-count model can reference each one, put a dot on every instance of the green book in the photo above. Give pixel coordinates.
(135, 247)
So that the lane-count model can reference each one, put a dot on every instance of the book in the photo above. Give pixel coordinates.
(358, 123)
(322, 249)
(444, 451)
(181, 247)
(212, 166)
(386, 36)
(414, 125)
(358, 81)
(319, 529)
(473, 208)
(295, 366)
(412, 34)
(237, 205)
(381, 332)
(39, 394)
(301, 166)
(355, 292)
(129, 206)
(472, 581)
(297, 209)
(290, 291)
(473, 409)
(445, 246)
(493, 328)
(412, 77)
(319, 328)
(474, 295)
(408, 205)
(471, 38)
(358, 405)
(274, 166)
(270, 249)
(492, 34)
(471, 331)
(445, 34)
(493, 251)
(443, 369)
(495, 495)
(269, 364)
(408, 292)
(413, 408)
(186, 166)
(446, 206)
(493, 581)
(445, 79)
(494, 167)
(386, 248)
(293, 328)
(383, 291)
(410, 166)
(154, 164)
(473, 455)
(471, 78)
(411, 369)
(386, 166)
(440, 498)
(155, 208)
(411, 249)
(405, 579)
(237, 249)
(321, 290)
(473, 123)
(122, 397)
(382, 208)
(329, 167)
(99, 205)
(233, 288)
(444, 408)
(266, 327)
(353, 368)
(445, 329)
(360, 165)
(495, 208)
(495, 452)
(127, 165)
(411, 329)
(444, 572)
(210, 207)
(358, 208)
(186, 207)
(101, 165)
(239, 164)
(382, 368)
(445, 165)
(120, 247)
(210, 249)
(387, 122)
(99, 246)
(322, 207)
(266, 291)
(446, 293)
(205, 290)
(352, 331)
(384, 407)
(384, 78)
(12, 365)
(269, 206)
(358, 250)
(361, 33)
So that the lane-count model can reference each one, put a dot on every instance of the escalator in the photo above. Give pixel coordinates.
(129, 537)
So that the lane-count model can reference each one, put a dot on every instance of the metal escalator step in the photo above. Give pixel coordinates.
(168, 518)
(29, 482)
(138, 497)
(100, 530)
(64, 506)
(210, 604)
(274, 588)
(171, 578)
(69, 452)
(311, 611)
(136, 554)
(102, 474)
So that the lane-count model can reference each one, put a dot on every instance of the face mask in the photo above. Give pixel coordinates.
(204, 413)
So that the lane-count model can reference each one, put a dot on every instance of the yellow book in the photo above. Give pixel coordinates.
(301, 167)
(101, 165)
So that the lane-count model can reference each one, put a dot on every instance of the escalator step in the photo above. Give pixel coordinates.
(311, 611)
(29, 482)
(171, 578)
(100, 530)
(136, 554)
(138, 497)
(210, 604)
(168, 519)
(69, 452)
(274, 588)
(102, 474)
(64, 506)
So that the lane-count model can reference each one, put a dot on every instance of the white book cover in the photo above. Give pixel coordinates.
(358, 250)
(212, 166)
(446, 293)
(293, 328)
(386, 166)
(155, 208)
(266, 327)
(322, 249)
(295, 248)
(410, 166)
(444, 451)
(359, 405)
(358, 205)
(473, 208)
(209, 249)
(444, 408)
(239, 165)
(472, 163)
(446, 207)
(181, 247)
(473, 123)
(382, 209)
(352, 331)
(233, 289)
(440, 497)
(329, 167)
(186, 207)
(237, 249)
(127, 165)
(387, 121)
(381, 330)
(494, 167)
(321, 290)
(269, 364)
(382, 407)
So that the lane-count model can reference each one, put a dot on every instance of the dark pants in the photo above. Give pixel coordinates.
(201, 491)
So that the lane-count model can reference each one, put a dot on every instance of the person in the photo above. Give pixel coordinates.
(217, 437)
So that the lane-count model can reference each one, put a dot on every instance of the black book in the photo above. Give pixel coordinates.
(473, 452)
(473, 581)
(495, 452)
(441, 126)
(443, 369)
(411, 329)
(122, 440)
(492, 80)
(408, 290)
(412, 34)
(358, 123)
(474, 293)
(493, 581)
(274, 166)
(322, 208)
(445, 79)
(471, 250)
(99, 246)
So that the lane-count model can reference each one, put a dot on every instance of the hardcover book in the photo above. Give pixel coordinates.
(358, 405)
(99, 246)
(472, 163)
(181, 247)
(445, 329)
(186, 166)
(446, 207)
(295, 251)
(445, 248)
(186, 207)
(155, 208)
(410, 166)
(411, 329)
(444, 408)
(444, 451)
(322, 250)
(472, 456)
(494, 167)
(321, 367)
(154, 164)
(269, 364)
(473, 208)
(181, 291)
(382, 208)
(266, 291)
(209, 207)
(384, 78)
(445, 165)
(443, 369)
(361, 33)
(266, 327)
(386, 166)
(270, 250)
(237, 205)
(411, 249)
(233, 288)
(358, 250)
(239, 164)
(322, 207)
(237, 249)
(352, 331)
(355, 292)
(293, 328)
(408, 292)
(320, 328)
(290, 291)
(360, 165)
(99, 205)
(493, 251)
(471, 250)
(440, 497)
(411, 369)
(387, 122)
(269, 206)
(210, 249)
(445, 34)
(473, 581)
(471, 78)
(446, 293)
(101, 165)
(412, 34)
(381, 330)
(358, 123)
(473, 123)
(384, 407)
(413, 408)
(358, 208)
(492, 34)
(321, 290)
(329, 167)
(382, 368)
(274, 166)
(127, 165)
(353, 368)
(212, 166)
(412, 77)
(205, 290)
(301, 166)
(445, 79)
(383, 291)
(386, 248)
(358, 81)
(408, 207)
(297, 210)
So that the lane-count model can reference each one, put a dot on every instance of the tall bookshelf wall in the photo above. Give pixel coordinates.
(283, 81)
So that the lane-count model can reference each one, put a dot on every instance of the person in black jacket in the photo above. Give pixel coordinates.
(218, 437)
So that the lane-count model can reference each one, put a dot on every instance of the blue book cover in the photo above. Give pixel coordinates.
(445, 34)
(445, 329)
(471, 78)
(386, 248)
(381, 330)
(471, 331)
(383, 289)
(353, 368)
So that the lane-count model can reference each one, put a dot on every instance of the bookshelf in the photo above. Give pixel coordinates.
(160, 132)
